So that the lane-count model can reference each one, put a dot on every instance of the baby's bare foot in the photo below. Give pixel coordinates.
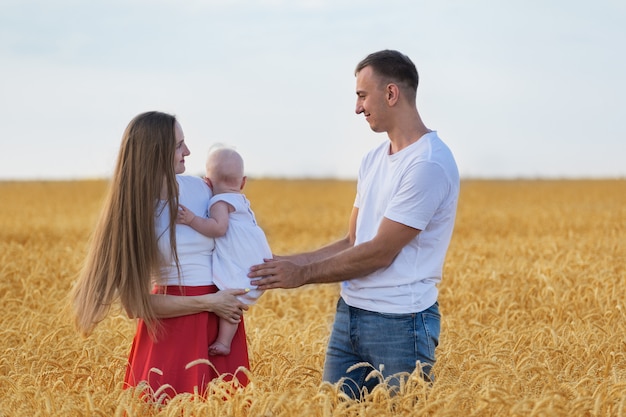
(218, 348)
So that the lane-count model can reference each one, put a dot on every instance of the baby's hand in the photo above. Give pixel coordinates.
(184, 216)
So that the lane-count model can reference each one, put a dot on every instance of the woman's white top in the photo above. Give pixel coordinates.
(194, 249)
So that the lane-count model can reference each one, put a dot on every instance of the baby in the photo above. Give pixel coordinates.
(239, 241)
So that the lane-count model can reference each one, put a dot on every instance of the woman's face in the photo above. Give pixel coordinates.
(181, 150)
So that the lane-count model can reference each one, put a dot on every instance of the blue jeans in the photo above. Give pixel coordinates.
(397, 341)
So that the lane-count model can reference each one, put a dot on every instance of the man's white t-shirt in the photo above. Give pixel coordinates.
(418, 187)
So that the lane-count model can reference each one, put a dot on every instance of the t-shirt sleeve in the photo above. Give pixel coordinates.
(365, 162)
(422, 190)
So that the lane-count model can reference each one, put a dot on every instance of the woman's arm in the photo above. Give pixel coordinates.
(225, 304)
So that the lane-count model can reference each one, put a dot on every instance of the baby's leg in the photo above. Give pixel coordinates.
(227, 331)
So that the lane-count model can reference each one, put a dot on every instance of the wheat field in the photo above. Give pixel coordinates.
(532, 301)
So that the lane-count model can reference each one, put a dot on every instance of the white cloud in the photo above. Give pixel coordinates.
(514, 89)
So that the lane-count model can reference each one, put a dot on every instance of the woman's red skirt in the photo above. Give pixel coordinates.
(163, 363)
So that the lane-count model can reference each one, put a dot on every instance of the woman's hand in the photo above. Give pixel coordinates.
(226, 305)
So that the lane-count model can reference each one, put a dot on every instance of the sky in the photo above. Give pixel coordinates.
(517, 89)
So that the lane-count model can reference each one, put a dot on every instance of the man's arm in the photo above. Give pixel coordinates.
(328, 250)
(350, 262)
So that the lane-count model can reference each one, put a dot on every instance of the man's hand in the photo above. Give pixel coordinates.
(278, 274)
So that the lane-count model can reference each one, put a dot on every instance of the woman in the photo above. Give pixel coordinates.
(137, 247)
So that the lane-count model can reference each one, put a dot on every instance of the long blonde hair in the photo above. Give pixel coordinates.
(124, 255)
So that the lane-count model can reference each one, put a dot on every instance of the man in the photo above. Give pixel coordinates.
(392, 258)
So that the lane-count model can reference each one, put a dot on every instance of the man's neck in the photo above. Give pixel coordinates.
(401, 139)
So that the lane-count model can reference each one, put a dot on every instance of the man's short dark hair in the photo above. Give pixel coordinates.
(391, 66)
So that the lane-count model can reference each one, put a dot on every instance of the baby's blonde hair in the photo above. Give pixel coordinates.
(225, 165)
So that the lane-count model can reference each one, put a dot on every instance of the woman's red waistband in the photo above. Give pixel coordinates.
(185, 291)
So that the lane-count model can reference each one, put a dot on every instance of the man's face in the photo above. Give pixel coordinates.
(371, 99)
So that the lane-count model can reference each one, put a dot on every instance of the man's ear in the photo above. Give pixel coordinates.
(392, 94)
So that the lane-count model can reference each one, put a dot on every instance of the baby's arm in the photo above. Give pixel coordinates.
(214, 226)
